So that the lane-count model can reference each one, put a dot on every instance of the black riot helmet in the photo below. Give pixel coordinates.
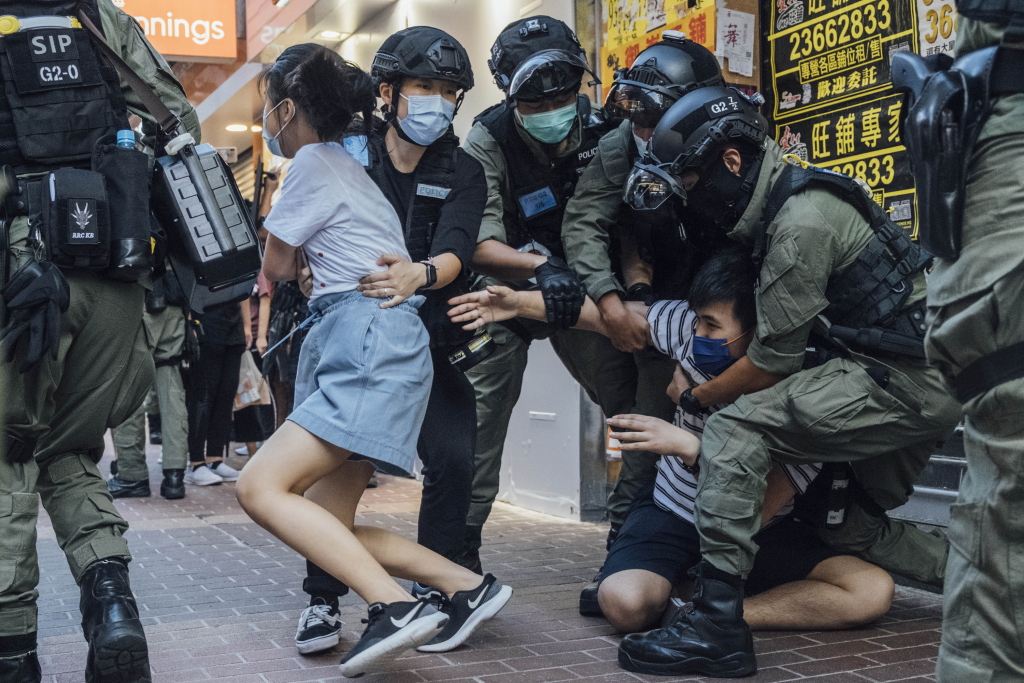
(691, 136)
(659, 76)
(421, 52)
(538, 57)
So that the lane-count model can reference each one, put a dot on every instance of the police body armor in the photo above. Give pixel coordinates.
(60, 110)
(433, 180)
(541, 191)
(867, 300)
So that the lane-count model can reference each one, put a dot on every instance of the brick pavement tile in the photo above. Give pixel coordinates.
(220, 598)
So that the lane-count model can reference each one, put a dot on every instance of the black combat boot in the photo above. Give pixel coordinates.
(173, 485)
(155, 437)
(470, 558)
(110, 621)
(589, 605)
(18, 660)
(711, 639)
(128, 489)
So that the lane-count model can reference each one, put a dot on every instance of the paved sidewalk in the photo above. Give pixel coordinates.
(220, 599)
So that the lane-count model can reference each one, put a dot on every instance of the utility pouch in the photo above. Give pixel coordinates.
(127, 176)
(69, 207)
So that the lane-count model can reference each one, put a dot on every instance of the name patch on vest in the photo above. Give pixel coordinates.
(55, 57)
(432, 191)
(82, 222)
(537, 202)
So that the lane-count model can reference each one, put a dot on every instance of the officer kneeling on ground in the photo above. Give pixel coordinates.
(533, 147)
(76, 361)
(827, 255)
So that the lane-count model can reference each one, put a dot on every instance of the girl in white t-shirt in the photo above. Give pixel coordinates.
(364, 371)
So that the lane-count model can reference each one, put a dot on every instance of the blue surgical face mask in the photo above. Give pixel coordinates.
(428, 118)
(549, 127)
(711, 356)
(274, 143)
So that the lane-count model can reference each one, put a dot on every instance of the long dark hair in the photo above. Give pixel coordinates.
(328, 90)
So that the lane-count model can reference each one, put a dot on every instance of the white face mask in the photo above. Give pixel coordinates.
(274, 143)
(428, 118)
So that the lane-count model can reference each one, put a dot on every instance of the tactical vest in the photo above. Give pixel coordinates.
(59, 96)
(433, 180)
(999, 11)
(874, 289)
(540, 192)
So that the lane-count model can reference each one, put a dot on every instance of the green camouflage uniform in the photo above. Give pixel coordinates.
(167, 331)
(588, 226)
(975, 308)
(102, 372)
(831, 413)
(608, 375)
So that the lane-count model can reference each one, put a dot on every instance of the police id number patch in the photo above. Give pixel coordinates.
(728, 104)
(537, 202)
(82, 222)
(55, 58)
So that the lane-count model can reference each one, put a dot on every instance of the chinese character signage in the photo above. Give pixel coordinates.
(832, 99)
(825, 52)
(633, 25)
(863, 141)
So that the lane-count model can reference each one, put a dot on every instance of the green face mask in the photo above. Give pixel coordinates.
(549, 127)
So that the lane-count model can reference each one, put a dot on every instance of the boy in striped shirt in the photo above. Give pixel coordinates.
(797, 582)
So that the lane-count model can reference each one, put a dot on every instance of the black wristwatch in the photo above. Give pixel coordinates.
(431, 276)
(690, 404)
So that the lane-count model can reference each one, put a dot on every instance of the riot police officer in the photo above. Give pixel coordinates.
(438, 191)
(828, 257)
(659, 252)
(76, 358)
(964, 130)
(532, 147)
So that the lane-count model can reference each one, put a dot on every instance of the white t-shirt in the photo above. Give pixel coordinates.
(673, 326)
(331, 208)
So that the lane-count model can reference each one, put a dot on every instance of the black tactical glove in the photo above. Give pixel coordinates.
(193, 337)
(563, 292)
(35, 298)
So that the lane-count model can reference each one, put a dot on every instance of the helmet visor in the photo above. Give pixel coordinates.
(649, 186)
(548, 73)
(641, 106)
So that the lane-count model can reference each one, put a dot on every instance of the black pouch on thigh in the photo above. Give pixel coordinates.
(127, 174)
(69, 207)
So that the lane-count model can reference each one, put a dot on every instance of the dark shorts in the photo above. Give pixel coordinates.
(658, 541)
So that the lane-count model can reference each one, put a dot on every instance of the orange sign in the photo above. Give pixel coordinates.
(187, 29)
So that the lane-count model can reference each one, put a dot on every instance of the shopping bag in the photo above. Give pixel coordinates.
(252, 386)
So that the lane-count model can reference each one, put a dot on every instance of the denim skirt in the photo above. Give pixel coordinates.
(364, 378)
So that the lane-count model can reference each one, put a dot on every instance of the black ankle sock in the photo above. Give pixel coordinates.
(17, 645)
(326, 598)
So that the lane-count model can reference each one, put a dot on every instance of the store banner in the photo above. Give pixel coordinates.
(830, 89)
(633, 25)
(187, 30)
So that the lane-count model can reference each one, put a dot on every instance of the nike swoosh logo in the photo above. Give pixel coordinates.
(473, 604)
(404, 621)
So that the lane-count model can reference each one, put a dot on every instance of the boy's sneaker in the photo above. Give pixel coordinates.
(201, 475)
(390, 630)
(223, 471)
(467, 610)
(319, 627)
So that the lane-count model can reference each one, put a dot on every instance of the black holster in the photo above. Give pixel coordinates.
(947, 103)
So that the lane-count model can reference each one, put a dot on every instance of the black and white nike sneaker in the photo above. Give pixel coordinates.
(390, 630)
(467, 610)
(319, 627)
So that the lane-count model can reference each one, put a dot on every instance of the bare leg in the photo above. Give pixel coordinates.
(250, 446)
(841, 592)
(339, 492)
(634, 600)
